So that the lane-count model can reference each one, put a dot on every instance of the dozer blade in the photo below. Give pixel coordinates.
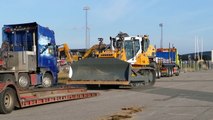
(110, 69)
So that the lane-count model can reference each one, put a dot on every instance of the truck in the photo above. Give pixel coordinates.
(167, 60)
(28, 68)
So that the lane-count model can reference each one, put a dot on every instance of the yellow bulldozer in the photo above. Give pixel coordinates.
(123, 62)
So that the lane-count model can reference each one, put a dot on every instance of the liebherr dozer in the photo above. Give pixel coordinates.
(123, 62)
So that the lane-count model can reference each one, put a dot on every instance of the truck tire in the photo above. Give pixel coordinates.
(23, 81)
(47, 80)
(7, 100)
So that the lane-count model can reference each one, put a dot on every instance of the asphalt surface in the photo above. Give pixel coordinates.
(186, 97)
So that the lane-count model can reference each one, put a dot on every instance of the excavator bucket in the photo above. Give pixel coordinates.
(110, 69)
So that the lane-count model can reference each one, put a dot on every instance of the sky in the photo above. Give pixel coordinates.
(183, 20)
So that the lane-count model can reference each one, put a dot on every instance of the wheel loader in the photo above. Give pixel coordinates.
(122, 63)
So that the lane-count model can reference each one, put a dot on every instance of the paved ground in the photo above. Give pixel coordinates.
(187, 97)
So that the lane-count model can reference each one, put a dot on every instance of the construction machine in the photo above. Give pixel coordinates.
(95, 50)
(123, 62)
(64, 55)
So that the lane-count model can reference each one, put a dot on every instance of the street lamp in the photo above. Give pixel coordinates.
(86, 8)
(161, 41)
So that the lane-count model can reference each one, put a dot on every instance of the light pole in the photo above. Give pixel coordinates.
(161, 41)
(88, 37)
(86, 8)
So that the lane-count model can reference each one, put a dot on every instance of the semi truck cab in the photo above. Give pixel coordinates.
(29, 54)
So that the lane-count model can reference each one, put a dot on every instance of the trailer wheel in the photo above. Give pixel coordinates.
(7, 101)
(47, 80)
(23, 80)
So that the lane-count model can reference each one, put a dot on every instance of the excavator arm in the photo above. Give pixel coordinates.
(66, 50)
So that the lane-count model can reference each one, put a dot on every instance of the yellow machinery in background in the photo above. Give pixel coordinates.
(64, 54)
(95, 50)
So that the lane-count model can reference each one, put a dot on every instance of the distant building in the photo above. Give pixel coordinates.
(207, 55)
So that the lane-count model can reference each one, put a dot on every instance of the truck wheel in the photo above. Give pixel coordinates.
(7, 101)
(47, 80)
(23, 80)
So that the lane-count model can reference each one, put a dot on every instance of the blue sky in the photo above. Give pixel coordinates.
(182, 19)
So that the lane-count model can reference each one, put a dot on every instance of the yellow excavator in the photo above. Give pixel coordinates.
(64, 54)
(123, 62)
(95, 50)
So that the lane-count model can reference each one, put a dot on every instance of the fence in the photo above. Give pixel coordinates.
(191, 66)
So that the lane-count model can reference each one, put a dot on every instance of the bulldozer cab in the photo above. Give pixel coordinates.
(133, 45)
(132, 48)
(145, 43)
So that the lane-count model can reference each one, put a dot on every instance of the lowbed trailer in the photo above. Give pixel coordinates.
(11, 96)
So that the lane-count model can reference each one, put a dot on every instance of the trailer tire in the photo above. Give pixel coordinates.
(7, 100)
(47, 80)
(23, 81)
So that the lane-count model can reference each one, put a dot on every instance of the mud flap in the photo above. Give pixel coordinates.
(100, 69)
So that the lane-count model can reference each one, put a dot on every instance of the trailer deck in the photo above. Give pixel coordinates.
(39, 96)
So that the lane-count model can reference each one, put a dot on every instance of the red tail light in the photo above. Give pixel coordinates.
(8, 30)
